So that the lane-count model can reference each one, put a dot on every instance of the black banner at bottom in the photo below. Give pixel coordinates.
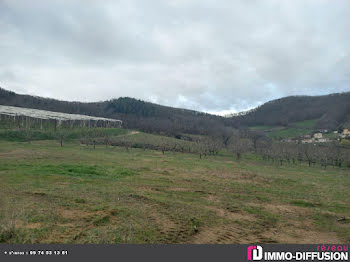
(154, 253)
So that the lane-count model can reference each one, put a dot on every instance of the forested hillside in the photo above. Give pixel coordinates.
(331, 111)
(134, 113)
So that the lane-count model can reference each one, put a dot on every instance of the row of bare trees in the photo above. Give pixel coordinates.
(330, 154)
(240, 142)
(243, 141)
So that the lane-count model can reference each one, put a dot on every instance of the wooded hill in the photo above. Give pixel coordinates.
(134, 113)
(331, 111)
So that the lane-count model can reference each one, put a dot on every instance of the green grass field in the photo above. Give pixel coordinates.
(296, 129)
(75, 194)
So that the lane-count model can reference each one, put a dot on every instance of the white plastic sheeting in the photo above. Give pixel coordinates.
(43, 114)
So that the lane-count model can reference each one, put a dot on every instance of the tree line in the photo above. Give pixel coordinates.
(332, 111)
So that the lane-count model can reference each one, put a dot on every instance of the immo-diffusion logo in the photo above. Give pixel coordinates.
(255, 253)
(332, 253)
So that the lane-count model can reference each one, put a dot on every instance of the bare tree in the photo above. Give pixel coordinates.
(106, 139)
(255, 136)
(213, 145)
(309, 153)
(239, 146)
(164, 147)
(60, 135)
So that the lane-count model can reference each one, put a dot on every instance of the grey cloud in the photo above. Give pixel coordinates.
(205, 55)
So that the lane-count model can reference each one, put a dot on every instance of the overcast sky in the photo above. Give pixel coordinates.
(214, 56)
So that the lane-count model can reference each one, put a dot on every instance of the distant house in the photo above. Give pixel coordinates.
(318, 135)
(346, 132)
(335, 132)
(323, 140)
(307, 141)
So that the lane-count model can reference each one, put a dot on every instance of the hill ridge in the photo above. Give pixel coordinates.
(331, 111)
